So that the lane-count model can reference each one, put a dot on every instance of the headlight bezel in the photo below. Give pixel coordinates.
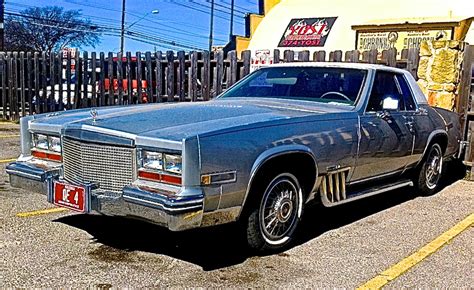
(162, 159)
(49, 143)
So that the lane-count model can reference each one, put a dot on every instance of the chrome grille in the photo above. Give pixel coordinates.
(111, 167)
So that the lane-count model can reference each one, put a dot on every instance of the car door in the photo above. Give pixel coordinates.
(386, 133)
(419, 122)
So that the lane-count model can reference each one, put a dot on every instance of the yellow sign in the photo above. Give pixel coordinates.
(398, 39)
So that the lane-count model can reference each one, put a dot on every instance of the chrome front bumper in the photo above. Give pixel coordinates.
(176, 212)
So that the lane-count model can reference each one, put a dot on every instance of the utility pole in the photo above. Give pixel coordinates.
(231, 30)
(2, 26)
(122, 31)
(211, 28)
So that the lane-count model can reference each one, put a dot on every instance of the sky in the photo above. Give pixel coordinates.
(185, 22)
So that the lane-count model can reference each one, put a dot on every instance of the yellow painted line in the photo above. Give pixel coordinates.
(40, 212)
(9, 136)
(404, 265)
(7, 160)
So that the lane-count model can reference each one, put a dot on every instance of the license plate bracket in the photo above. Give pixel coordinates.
(75, 197)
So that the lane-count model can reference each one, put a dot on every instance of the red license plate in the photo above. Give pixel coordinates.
(70, 196)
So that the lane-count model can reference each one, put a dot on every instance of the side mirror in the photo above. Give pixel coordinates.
(390, 104)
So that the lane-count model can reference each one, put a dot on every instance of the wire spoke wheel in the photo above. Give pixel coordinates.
(280, 209)
(434, 164)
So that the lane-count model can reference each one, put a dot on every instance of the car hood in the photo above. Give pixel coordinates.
(176, 121)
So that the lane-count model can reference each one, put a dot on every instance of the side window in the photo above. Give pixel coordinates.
(406, 93)
(385, 86)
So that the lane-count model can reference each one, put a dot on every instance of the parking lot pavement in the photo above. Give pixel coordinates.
(344, 246)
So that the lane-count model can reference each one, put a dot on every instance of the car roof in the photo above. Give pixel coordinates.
(365, 66)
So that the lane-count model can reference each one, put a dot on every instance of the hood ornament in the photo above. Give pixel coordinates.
(94, 115)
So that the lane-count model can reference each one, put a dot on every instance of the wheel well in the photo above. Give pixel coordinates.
(441, 139)
(301, 165)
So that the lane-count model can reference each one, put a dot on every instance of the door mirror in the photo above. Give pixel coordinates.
(390, 104)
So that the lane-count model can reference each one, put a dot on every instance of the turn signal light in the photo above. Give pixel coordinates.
(160, 177)
(46, 155)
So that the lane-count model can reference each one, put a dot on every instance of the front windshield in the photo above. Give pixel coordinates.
(320, 84)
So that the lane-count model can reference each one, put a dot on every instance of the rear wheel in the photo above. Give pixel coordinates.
(272, 222)
(427, 179)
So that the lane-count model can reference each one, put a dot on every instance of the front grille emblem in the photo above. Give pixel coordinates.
(94, 115)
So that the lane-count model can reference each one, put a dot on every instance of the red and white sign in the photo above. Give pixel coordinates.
(69, 196)
(261, 58)
(307, 32)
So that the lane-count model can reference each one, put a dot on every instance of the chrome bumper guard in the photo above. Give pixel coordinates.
(177, 212)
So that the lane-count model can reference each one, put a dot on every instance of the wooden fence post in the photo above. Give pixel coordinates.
(219, 73)
(60, 81)
(37, 81)
(276, 56)
(77, 86)
(149, 77)
(303, 56)
(413, 58)
(102, 79)
(289, 55)
(319, 56)
(139, 77)
(93, 79)
(170, 76)
(232, 77)
(119, 79)
(158, 77)
(206, 76)
(193, 72)
(30, 74)
(181, 75)
(335, 56)
(50, 100)
(246, 55)
(85, 80)
(22, 84)
(129, 77)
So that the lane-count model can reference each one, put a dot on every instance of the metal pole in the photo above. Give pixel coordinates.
(211, 28)
(231, 30)
(122, 32)
(2, 26)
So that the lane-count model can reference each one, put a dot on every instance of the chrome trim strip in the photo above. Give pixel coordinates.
(30, 171)
(158, 143)
(108, 131)
(157, 204)
(169, 204)
(44, 128)
(24, 174)
(327, 203)
(377, 177)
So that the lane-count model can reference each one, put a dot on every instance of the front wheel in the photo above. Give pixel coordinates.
(428, 177)
(272, 222)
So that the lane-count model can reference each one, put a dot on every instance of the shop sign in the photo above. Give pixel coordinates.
(398, 39)
(307, 32)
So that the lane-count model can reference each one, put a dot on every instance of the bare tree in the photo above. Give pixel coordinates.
(49, 28)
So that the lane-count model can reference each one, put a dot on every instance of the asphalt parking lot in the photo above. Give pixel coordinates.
(346, 246)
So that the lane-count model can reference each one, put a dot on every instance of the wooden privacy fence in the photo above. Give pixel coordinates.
(32, 82)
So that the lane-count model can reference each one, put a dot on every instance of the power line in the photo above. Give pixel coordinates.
(109, 21)
(113, 32)
(199, 9)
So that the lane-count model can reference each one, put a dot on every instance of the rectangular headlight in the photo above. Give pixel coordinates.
(152, 160)
(173, 163)
(54, 144)
(40, 141)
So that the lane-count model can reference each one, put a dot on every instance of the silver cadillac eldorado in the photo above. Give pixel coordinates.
(257, 154)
